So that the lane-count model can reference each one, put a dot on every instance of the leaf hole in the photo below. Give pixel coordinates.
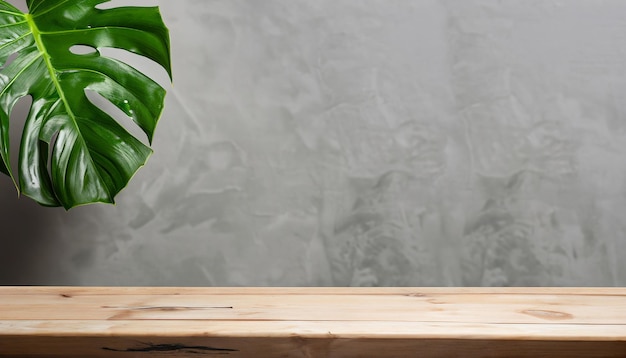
(9, 60)
(51, 145)
(111, 4)
(17, 120)
(112, 110)
(20, 4)
(149, 68)
(83, 50)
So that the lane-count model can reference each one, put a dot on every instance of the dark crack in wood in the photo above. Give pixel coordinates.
(168, 308)
(173, 348)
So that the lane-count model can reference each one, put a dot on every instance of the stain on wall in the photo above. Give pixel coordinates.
(364, 143)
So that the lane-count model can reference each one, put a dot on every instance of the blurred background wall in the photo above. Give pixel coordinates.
(374, 142)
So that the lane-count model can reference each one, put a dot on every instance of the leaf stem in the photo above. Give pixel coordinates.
(51, 70)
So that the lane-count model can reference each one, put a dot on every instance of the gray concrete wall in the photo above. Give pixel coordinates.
(374, 142)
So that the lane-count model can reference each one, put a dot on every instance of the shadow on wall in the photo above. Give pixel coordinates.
(25, 227)
(25, 239)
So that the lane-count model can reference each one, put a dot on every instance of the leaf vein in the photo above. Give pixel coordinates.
(4, 45)
(4, 89)
(49, 9)
(92, 29)
(13, 24)
(10, 12)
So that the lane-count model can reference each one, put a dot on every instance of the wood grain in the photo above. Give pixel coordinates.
(312, 322)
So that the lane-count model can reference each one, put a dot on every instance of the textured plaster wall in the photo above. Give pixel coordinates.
(374, 142)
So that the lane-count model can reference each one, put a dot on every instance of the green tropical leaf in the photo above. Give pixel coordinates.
(72, 152)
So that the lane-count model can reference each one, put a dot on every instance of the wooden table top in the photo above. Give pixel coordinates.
(312, 322)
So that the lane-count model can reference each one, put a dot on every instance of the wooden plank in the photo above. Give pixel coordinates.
(312, 322)
(432, 308)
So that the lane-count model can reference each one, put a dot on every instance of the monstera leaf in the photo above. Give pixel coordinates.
(71, 151)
